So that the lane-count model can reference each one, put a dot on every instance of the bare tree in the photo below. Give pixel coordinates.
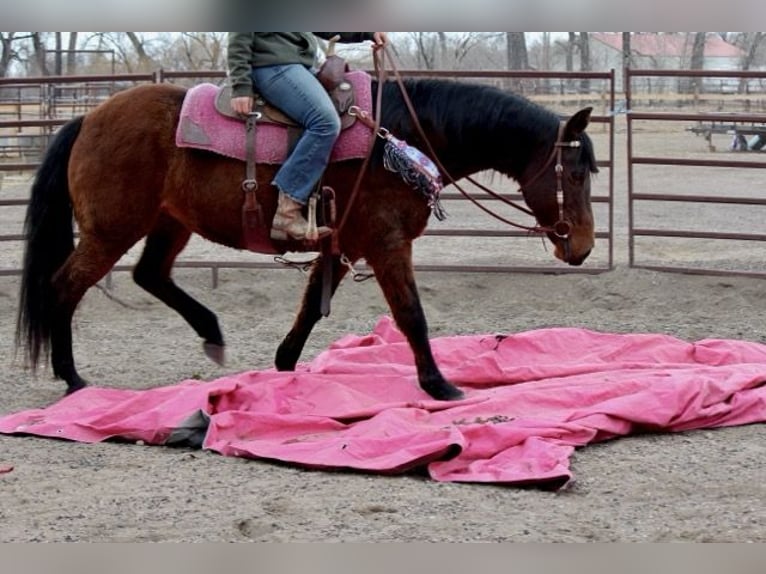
(569, 50)
(578, 43)
(585, 63)
(516, 50)
(71, 55)
(8, 52)
(204, 50)
(110, 52)
(38, 46)
(25, 48)
(516, 56)
(107, 41)
(752, 42)
(546, 41)
(442, 49)
(193, 51)
(627, 60)
(145, 63)
(696, 62)
(425, 50)
(466, 43)
(58, 63)
(130, 48)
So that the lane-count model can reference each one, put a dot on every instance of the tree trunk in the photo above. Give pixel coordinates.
(6, 52)
(516, 51)
(571, 45)
(585, 63)
(71, 55)
(39, 50)
(442, 50)
(626, 58)
(546, 61)
(698, 51)
(754, 42)
(752, 48)
(58, 63)
(570, 50)
(696, 62)
(144, 61)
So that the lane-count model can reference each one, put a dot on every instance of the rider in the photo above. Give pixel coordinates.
(282, 67)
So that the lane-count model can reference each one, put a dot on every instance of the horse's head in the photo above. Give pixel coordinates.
(557, 190)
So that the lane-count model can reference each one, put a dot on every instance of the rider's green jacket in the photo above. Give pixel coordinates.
(247, 50)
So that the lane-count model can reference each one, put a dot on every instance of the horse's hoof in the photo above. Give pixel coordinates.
(215, 352)
(284, 367)
(286, 358)
(74, 387)
(444, 392)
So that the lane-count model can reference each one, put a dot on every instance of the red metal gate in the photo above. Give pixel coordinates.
(711, 221)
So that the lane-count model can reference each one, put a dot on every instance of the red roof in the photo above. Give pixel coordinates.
(669, 45)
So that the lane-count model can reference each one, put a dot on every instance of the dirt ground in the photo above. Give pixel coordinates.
(704, 485)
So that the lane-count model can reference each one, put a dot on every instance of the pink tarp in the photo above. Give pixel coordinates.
(531, 398)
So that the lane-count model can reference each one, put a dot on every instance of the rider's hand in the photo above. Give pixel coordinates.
(242, 105)
(380, 38)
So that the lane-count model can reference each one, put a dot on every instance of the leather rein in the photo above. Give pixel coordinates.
(561, 229)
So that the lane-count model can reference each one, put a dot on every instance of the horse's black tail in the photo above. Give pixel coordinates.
(49, 232)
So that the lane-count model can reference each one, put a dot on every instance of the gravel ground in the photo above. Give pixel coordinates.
(703, 485)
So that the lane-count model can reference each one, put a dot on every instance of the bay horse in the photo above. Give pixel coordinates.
(118, 172)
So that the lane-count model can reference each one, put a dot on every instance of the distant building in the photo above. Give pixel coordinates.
(665, 51)
(668, 51)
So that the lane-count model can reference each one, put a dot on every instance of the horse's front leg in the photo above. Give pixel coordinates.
(290, 349)
(394, 273)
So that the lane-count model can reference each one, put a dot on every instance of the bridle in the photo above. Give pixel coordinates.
(562, 228)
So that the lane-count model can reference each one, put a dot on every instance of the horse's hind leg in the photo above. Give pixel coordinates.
(152, 272)
(290, 349)
(394, 273)
(88, 263)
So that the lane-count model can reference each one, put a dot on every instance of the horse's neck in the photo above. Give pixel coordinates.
(468, 149)
(467, 143)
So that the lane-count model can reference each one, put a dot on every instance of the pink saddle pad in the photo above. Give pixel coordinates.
(202, 127)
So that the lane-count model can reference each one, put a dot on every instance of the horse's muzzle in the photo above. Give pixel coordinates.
(575, 261)
(571, 251)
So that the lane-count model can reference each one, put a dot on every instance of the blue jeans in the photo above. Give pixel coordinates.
(297, 92)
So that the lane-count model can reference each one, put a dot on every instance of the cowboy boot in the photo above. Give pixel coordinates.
(289, 222)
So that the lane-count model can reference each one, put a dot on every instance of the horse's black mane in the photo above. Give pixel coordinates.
(444, 102)
(481, 120)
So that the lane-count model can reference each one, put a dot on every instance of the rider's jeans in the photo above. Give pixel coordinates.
(297, 92)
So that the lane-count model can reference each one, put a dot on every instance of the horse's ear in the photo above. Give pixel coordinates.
(577, 124)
